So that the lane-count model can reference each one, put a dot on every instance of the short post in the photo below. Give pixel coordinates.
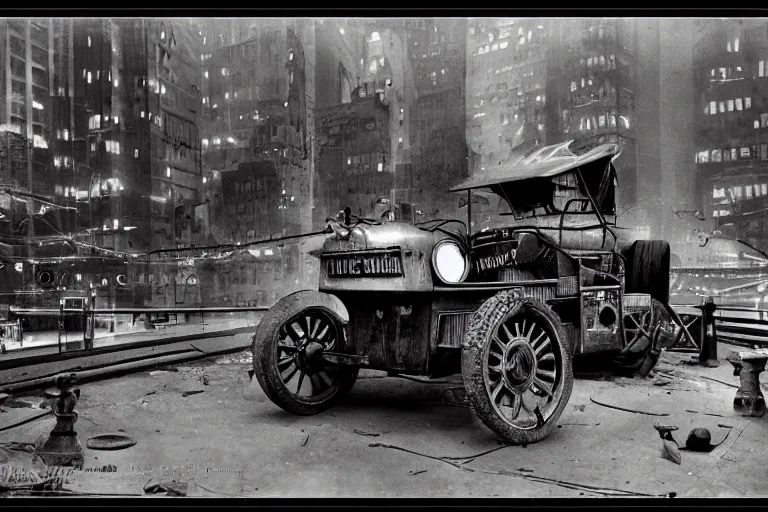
(62, 448)
(748, 365)
(708, 349)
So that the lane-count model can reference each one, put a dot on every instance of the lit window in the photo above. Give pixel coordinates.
(503, 45)
(89, 77)
(380, 167)
(143, 114)
(226, 95)
(747, 103)
(736, 45)
(135, 153)
(761, 68)
(730, 105)
(713, 107)
(706, 109)
(738, 104)
(205, 74)
(756, 124)
(721, 106)
(224, 71)
(115, 223)
(89, 41)
(205, 143)
(117, 120)
(748, 191)
(215, 105)
(728, 45)
(162, 89)
(216, 141)
(167, 172)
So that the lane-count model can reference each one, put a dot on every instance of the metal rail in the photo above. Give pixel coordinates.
(131, 311)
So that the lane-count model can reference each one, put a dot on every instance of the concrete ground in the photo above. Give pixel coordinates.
(396, 438)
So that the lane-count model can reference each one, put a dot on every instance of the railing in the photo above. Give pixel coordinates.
(89, 316)
(735, 324)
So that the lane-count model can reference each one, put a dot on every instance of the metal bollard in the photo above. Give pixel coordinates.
(62, 448)
(708, 350)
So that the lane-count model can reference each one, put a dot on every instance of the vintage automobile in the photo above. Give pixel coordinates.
(507, 307)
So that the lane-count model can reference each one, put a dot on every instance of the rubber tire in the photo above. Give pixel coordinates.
(648, 272)
(482, 326)
(265, 365)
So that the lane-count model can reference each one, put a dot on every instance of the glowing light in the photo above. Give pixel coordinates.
(450, 263)
(380, 167)
(89, 77)
(205, 180)
(162, 89)
(115, 223)
(268, 252)
(231, 140)
(36, 105)
(341, 31)
(116, 82)
(168, 172)
(285, 104)
(205, 74)
(39, 142)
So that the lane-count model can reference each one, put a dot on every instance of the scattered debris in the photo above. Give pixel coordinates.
(224, 360)
(579, 424)
(580, 407)
(110, 442)
(364, 433)
(706, 413)
(304, 442)
(628, 410)
(721, 425)
(205, 380)
(523, 470)
(192, 392)
(167, 369)
(660, 382)
(157, 373)
(150, 393)
(169, 488)
(671, 451)
(413, 473)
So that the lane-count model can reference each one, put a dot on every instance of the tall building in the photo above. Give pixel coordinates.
(29, 117)
(353, 153)
(731, 151)
(256, 115)
(437, 52)
(136, 142)
(534, 82)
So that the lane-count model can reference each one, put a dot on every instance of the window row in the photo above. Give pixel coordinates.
(719, 107)
(753, 152)
(739, 192)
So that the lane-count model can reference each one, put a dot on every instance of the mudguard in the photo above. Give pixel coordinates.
(303, 297)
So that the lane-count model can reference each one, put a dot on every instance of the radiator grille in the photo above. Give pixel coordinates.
(380, 264)
(637, 302)
(451, 329)
(568, 286)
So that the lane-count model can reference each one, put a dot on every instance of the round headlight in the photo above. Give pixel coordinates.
(450, 262)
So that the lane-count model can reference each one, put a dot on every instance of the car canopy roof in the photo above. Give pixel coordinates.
(546, 162)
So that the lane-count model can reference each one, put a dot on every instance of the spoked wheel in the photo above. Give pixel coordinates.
(289, 364)
(516, 367)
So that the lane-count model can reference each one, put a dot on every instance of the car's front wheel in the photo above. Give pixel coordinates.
(517, 367)
(288, 361)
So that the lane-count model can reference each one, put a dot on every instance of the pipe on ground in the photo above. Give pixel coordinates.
(115, 368)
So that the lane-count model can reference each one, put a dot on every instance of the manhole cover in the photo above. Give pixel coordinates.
(109, 442)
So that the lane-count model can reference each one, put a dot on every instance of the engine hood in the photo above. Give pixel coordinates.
(384, 236)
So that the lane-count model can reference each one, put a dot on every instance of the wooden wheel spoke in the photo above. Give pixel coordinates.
(326, 379)
(535, 342)
(290, 375)
(545, 373)
(516, 406)
(322, 333)
(287, 348)
(498, 341)
(544, 386)
(317, 384)
(549, 356)
(285, 363)
(517, 329)
(497, 355)
(301, 381)
(496, 391)
(530, 331)
(495, 367)
(541, 348)
(292, 333)
(507, 332)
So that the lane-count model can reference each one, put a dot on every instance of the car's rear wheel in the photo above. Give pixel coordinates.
(287, 358)
(648, 272)
(517, 367)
